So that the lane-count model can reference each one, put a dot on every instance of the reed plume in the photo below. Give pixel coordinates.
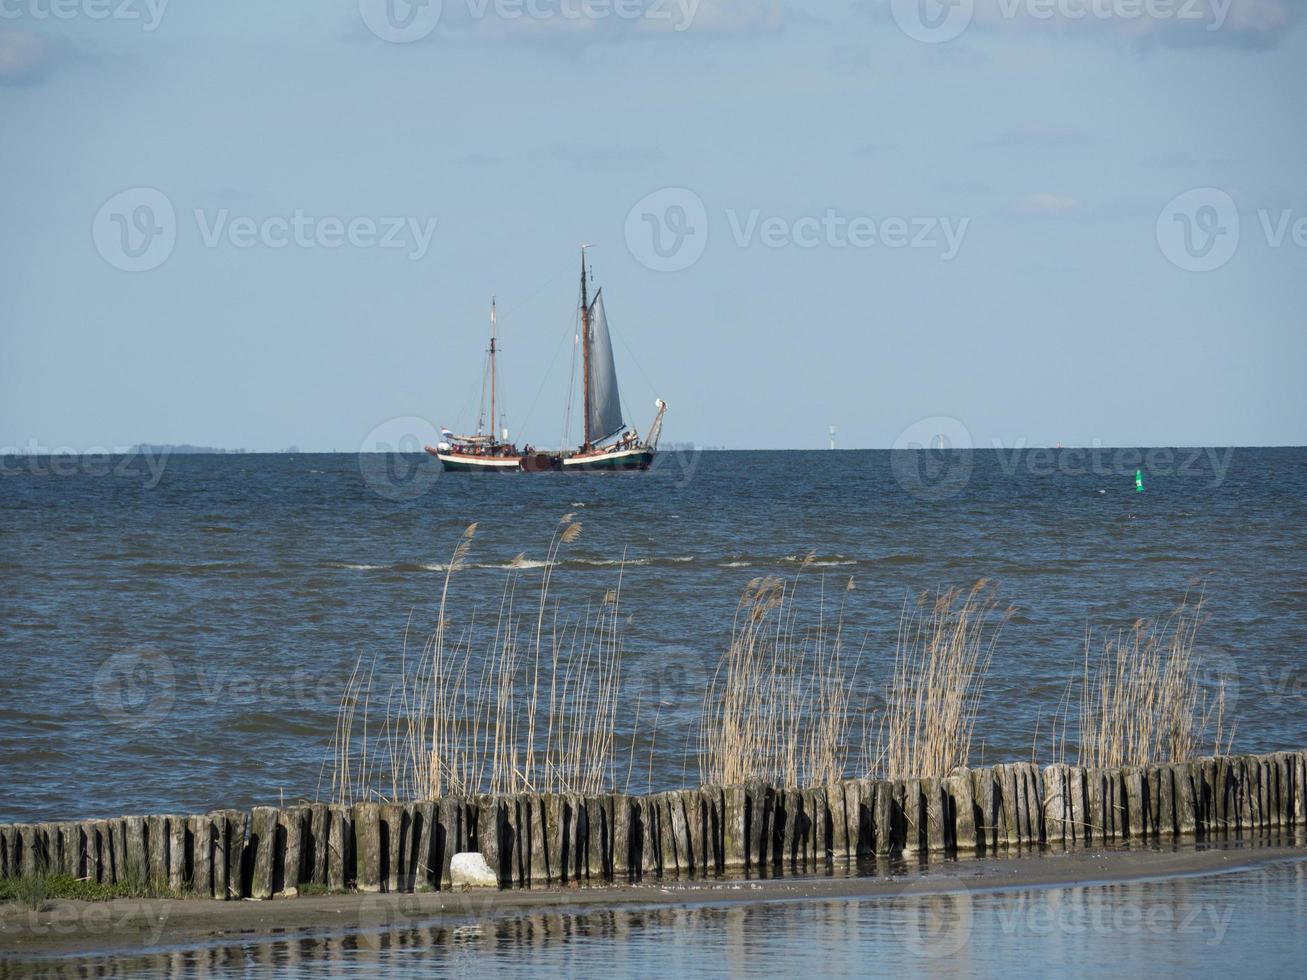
(944, 649)
(1142, 699)
(776, 707)
(535, 713)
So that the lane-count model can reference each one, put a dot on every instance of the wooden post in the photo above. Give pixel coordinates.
(554, 830)
(963, 807)
(622, 835)
(340, 851)
(452, 811)
(157, 827)
(1023, 800)
(425, 858)
(1094, 783)
(201, 833)
(1185, 800)
(291, 823)
(392, 836)
(366, 818)
(735, 835)
(518, 811)
(317, 844)
(783, 817)
(578, 840)
(263, 840)
(488, 832)
(240, 866)
(651, 856)
(671, 864)
(597, 821)
(936, 815)
(1055, 800)
(715, 802)
(1010, 830)
(1284, 789)
(756, 847)
(1300, 781)
(695, 831)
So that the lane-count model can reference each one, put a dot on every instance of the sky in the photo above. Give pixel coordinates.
(1013, 222)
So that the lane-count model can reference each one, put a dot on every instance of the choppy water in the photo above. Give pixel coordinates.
(240, 590)
(1185, 926)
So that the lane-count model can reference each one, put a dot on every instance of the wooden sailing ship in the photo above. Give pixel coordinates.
(609, 444)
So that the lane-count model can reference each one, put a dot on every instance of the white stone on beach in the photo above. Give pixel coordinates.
(470, 870)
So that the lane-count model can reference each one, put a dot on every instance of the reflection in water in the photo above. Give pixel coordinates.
(1243, 919)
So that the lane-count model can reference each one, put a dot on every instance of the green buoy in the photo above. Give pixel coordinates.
(1139, 481)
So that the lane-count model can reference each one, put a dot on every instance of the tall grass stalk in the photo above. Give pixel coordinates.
(944, 649)
(777, 706)
(536, 713)
(1141, 697)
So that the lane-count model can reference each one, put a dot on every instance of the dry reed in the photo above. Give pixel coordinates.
(537, 711)
(1142, 700)
(944, 649)
(537, 715)
(777, 706)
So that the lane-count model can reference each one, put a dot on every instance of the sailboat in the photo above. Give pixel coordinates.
(483, 451)
(608, 443)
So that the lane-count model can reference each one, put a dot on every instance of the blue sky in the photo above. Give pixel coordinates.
(1036, 220)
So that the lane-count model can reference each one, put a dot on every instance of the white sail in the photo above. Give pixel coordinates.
(605, 402)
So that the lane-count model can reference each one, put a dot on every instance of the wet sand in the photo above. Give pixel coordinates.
(135, 926)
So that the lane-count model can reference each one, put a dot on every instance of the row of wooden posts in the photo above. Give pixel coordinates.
(534, 839)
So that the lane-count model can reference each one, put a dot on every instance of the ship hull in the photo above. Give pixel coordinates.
(458, 463)
(464, 463)
(627, 459)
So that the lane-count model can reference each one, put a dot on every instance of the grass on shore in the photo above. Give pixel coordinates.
(33, 891)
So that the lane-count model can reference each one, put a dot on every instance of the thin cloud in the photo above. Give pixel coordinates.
(601, 156)
(1044, 204)
(874, 149)
(1184, 161)
(1038, 136)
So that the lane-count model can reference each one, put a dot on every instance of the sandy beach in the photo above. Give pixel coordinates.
(66, 928)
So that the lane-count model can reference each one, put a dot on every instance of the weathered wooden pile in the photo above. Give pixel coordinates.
(535, 839)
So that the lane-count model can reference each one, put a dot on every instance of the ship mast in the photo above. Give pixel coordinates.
(585, 347)
(494, 324)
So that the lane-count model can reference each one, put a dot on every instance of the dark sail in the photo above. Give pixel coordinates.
(605, 401)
